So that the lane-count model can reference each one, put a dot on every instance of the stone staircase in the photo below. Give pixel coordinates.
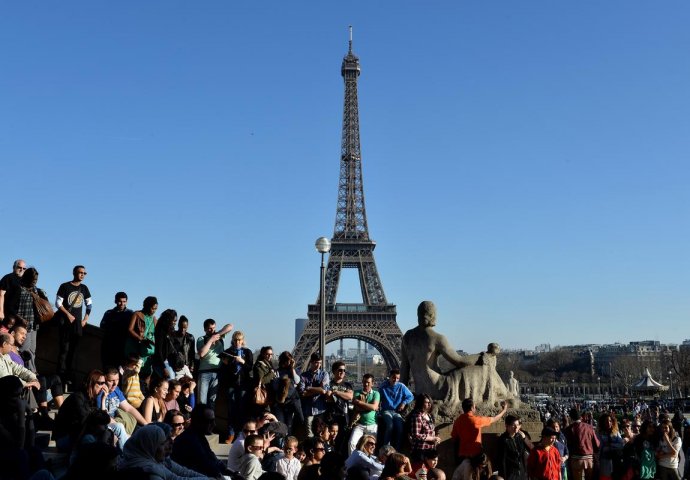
(58, 462)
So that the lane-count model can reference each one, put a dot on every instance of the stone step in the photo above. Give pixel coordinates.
(45, 442)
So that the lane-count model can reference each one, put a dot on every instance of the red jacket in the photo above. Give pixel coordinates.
(543, 464)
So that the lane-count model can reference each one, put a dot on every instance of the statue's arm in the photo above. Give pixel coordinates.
(443, 348)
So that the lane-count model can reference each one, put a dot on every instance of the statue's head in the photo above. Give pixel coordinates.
(426, 314)
(493, 348)
(511, 374)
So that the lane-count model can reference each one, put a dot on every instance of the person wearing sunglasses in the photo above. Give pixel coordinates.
(339, 402)
(364, 457)
(124, 417)
(250, 463)
(313, 386)
(366, 404)
(176, 421)
(10, 287)
(73, 303)
(14, 379)
(237, 450)
(74, 410)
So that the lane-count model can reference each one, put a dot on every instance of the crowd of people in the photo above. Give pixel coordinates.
(147, 409)
(628, 440)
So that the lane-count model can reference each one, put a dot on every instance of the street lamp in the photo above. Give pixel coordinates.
(599, 380)
(572, 388)
(323, 246)
(670, 379)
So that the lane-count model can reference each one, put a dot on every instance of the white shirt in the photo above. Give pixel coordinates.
(290, 468)
(235, 453)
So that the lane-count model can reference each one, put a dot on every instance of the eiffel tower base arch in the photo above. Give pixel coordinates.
(378, 328)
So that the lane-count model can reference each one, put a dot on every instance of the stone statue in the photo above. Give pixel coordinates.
(513, 386)
(471, 377)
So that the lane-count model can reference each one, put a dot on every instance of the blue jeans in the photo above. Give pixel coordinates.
(208, 388)
(119, 430)
(391, 430)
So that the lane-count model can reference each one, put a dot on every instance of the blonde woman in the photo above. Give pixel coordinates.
(237, 368)
(365, 457)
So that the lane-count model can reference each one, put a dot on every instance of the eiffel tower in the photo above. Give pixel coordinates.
(373, 320)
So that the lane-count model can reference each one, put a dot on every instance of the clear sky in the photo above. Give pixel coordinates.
(525, 162)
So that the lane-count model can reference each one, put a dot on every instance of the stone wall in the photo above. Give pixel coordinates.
(531, 424)
(87, 357)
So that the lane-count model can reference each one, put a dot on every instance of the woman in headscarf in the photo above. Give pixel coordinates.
(147, 451)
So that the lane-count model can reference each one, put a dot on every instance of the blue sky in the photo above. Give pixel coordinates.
(525, 163)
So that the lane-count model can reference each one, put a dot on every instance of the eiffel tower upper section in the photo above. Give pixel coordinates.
(351, 215)
(373, 320)
(351, 246)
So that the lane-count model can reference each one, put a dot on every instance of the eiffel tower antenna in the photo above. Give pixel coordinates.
(373, 320)
(350, 49)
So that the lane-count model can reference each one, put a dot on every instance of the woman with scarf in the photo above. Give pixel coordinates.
(147, 452)
(238, 361)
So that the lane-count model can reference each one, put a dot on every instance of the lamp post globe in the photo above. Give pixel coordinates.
(323, 246)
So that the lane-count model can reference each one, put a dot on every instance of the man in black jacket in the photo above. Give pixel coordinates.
(115, 324)
(513, 445)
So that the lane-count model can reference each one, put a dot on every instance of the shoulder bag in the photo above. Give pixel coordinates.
(44, 310)
(260, 395)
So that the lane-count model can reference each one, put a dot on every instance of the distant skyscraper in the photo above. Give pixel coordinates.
(300, 323)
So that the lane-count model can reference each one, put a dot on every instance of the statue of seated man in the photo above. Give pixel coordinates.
(472, 377)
